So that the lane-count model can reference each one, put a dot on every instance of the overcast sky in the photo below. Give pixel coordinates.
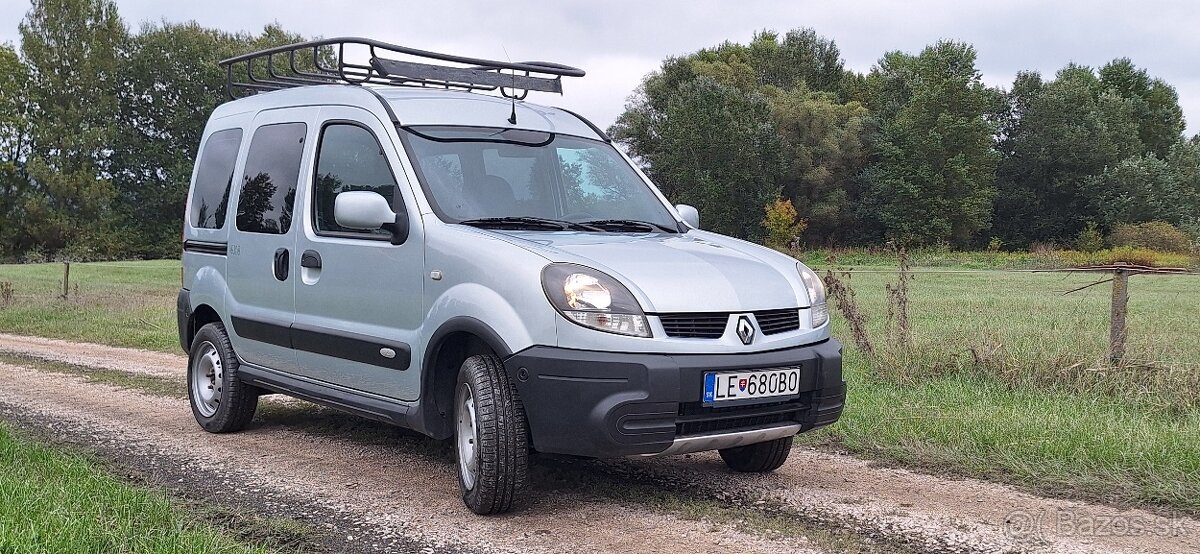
(617, 41)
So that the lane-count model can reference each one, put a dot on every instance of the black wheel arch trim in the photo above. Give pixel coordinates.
(428, 418)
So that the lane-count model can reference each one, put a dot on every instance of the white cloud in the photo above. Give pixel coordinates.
(618, 41)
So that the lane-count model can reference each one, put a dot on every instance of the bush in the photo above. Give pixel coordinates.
(1090, 239)
(1155, 235)
(1121, 254)
(1192, 229)
(781, 225)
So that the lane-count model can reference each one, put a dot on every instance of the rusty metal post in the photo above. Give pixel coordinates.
(1120, 305)
(66, 279)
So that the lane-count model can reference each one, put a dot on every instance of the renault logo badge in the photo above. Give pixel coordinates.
(745, 330)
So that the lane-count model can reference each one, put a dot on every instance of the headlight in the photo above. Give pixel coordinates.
(816, 295)
(593, 299)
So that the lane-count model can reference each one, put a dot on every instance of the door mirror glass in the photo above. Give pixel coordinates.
(689, 215)
(362, 210)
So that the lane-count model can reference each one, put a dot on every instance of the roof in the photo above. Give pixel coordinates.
(421, 106)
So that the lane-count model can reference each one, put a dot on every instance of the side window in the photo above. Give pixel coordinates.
(349, 159)
(269, 186)
(210, 198)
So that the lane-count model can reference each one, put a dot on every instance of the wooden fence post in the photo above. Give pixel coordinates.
(66, 279)
(1120, 305)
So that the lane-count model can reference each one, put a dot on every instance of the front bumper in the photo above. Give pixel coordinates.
(606, 404)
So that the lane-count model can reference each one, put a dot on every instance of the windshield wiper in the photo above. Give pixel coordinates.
(629, 224)
(529, 222)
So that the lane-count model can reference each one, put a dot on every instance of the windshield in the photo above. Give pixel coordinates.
(476, 173)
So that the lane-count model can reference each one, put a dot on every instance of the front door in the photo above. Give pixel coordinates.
(358, 296)
(262, 259)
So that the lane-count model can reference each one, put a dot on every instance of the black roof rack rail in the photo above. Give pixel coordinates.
(322, 62)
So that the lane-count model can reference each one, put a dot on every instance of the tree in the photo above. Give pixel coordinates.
(825, 145)
(801, 58)
(73, 50)
(1155, 104)
(15, 128)
(1061, 133)
(787, 85)
(168, 77)
(1145, 188)
(933, 180)
(721, 154)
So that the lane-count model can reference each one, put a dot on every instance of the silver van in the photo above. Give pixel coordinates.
(413, 242)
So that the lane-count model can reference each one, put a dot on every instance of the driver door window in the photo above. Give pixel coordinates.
(349, 159)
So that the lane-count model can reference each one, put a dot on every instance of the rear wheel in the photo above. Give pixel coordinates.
(220, 402)
(758, 458)
(491, 437)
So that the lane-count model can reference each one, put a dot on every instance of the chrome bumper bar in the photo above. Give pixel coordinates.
(700, 443)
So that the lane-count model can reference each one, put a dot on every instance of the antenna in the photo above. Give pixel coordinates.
(512, 118)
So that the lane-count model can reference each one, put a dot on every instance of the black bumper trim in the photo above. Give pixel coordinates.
(606, 404)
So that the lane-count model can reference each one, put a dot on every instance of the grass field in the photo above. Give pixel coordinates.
(121, 303)
(56, 502)
(1007, 378)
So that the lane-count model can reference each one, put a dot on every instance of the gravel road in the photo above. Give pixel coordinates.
(371, 488)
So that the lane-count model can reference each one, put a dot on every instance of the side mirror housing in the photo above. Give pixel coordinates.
(367, 211)
(689, 215)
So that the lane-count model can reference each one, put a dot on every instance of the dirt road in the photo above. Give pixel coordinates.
(368, 487)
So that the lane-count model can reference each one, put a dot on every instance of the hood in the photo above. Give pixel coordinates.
(691, 272)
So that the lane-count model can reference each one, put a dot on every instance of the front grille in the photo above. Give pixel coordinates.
(695, 418)
(694, 325)
(778, 321)
(711, 325)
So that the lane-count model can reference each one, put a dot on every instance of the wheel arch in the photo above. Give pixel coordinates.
(201, 315)
(457, 339)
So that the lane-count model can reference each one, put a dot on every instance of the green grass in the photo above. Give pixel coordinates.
(119, 303)
(1007, 378)
(56, 502)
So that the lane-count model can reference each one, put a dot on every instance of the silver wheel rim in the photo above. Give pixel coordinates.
(467, 437)
(207, 372)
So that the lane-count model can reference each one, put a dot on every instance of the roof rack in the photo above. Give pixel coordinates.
(322, 62)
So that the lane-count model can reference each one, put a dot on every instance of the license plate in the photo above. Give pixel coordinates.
(743, 385)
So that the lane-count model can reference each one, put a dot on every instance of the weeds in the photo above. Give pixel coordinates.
(6, 292)
(899, 326)
(843, 296)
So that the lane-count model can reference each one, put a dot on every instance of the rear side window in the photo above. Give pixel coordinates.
(210, 198)
(349, 159)
(269, 186)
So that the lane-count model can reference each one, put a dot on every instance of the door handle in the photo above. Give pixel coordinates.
(281, 264)
(310, 259)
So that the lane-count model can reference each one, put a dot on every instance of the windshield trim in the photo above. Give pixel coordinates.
(405, 132)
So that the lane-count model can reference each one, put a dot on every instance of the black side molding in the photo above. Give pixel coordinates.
(327, 342)
(203, 247)
(262, 331)
(350, 346)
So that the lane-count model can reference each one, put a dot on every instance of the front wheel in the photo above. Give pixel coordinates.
(491, 437)
(758, 458)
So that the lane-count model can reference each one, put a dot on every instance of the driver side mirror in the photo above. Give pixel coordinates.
(367, 211)
(689, 215)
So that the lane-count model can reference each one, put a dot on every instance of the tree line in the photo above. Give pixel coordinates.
(99, 125)
(918, 150)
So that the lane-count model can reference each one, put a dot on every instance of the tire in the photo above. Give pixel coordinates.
(491, 437)
(220, 401)
(758, 458)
